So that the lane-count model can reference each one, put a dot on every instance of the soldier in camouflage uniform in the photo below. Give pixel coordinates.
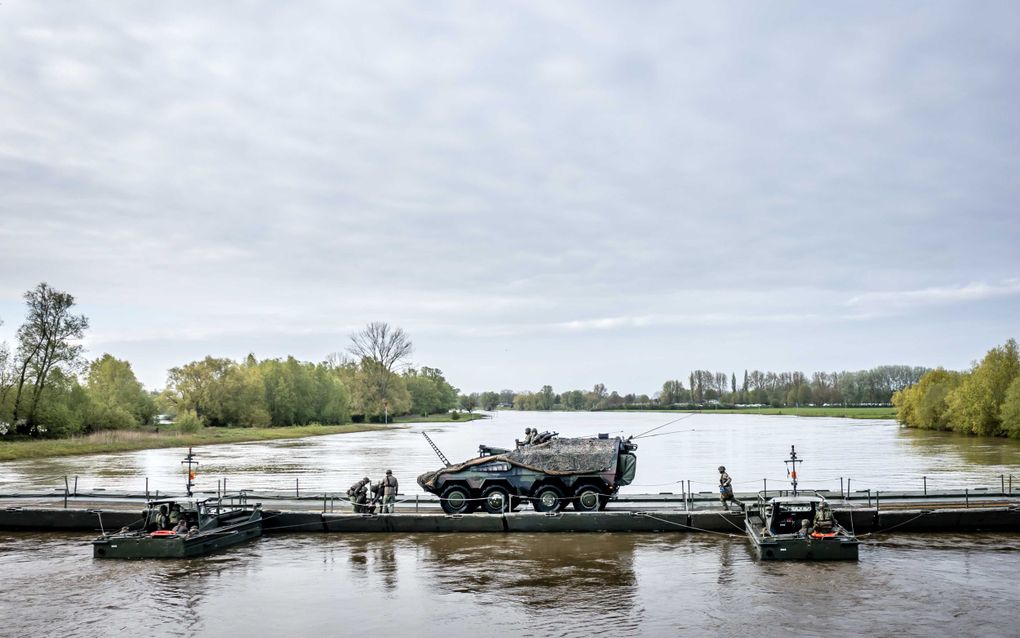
(823, 519)
(726, 490)
(358, 495)
(389, 490)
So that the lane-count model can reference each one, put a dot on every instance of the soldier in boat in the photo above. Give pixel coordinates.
(823, 519)
(726, 490)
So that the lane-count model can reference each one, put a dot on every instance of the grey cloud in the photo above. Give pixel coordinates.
(278, 171)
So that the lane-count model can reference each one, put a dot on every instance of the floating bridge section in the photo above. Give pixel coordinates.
(863, 512)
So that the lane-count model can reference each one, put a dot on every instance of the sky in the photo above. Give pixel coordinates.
(538, 193)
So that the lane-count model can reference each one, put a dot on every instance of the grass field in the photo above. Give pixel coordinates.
(130, 440)
(846, 413)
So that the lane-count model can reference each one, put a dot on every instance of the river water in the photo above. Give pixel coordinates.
(453, 585)
(873, 454)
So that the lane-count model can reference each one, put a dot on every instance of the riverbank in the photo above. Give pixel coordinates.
(845, 413)
(132, 440)
(441, 418)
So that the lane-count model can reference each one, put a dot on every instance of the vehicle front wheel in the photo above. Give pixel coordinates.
(547, 498)
(456, 500)
(587, 498)
(497, 499)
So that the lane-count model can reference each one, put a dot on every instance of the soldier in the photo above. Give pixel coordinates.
(805, 528)
(528, 436)
(726, 490)
(823, 519)
(181, 527)
(389, 492)
(175, 515)
(162, 519)
(376, 492)
(358, 495)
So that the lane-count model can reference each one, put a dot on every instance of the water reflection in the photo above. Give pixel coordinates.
(449, 585)
(562, 582)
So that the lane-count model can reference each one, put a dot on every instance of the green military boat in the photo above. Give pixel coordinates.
(213, 525)
(184, 528)
(796, 526)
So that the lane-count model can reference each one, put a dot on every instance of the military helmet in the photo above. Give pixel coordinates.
(366, 479)
(722, 469)
(527, 430)
(389, 471)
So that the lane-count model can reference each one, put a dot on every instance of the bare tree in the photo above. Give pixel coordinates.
(381, 343)
(44, 343)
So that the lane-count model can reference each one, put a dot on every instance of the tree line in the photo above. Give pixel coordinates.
(48, 387)
(875, 386)
(984, 400)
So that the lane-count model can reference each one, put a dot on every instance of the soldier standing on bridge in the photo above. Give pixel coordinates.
(389, 488)
(726, 490)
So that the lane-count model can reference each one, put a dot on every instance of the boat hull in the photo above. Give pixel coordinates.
(138, 546)
(792, 547)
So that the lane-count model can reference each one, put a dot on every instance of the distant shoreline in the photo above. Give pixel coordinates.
(832, 412)
(109, 441)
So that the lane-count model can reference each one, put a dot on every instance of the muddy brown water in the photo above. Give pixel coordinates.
(452, 585)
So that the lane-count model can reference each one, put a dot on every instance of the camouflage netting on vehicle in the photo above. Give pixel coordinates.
(579, 456)
(557, 456)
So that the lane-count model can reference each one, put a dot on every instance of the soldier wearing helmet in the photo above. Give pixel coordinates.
(389, 489)
(726, 490)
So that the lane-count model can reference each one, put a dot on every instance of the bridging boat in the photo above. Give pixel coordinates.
(184, 528)
(797, 526)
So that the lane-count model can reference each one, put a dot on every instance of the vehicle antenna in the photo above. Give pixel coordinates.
(190, 461)
(686, 416)
(791, 468)
(435, 448)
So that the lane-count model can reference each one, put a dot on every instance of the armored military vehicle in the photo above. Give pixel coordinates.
(581, 472)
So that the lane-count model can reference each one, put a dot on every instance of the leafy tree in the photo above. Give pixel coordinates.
(117, 398)
(378, 392)
(430, 392)
(45, 345)
(489, 400)
(221, 392)
(1010, 413)
(975, 405)
(469, 401)
(546, 398)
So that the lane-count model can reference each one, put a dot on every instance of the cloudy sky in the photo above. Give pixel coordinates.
(537, 192)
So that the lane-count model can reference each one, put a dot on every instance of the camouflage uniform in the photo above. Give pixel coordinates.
(358, 494)
(823, 519)
(726, 489)
(389, 486)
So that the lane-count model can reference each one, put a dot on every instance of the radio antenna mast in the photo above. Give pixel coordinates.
(791, 468)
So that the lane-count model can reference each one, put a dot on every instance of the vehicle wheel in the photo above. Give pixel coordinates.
(587, 498)
(497, 499)
(455, 500)
(547, 498)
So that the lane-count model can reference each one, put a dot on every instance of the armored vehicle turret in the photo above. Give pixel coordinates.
(580, 472)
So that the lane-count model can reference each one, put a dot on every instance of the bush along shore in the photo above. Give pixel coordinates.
(984, 400)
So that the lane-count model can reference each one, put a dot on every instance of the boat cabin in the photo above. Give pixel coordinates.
(783, 514)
